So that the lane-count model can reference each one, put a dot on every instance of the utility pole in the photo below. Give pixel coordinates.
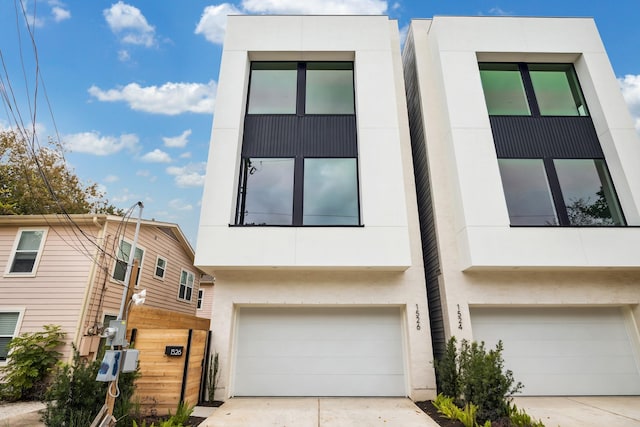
(132, 254)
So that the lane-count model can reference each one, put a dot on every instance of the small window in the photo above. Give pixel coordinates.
(503, 89)
(200, 298)
(8, 326)
(27, 251)
(527, 192)
(273, 88)
(161, 267)
(186, 285)
(122, 255)
(587, 192)
(557, 90)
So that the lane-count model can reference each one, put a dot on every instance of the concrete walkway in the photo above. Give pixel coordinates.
(319, 412)
(607, 411)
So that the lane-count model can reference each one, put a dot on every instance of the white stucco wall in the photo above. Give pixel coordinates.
(462, 152)
(379, 264)
(484, 261)
(383, 241)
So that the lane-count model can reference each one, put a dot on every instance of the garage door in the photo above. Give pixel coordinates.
(563, 351)
(319, 352)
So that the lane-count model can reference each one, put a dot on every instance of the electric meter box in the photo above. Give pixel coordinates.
(119, 337)
(130, 363)
(110, 365)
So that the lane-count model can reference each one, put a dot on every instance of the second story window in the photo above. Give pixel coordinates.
(185, 290)
(122, 255)
(299, 155)
(26, 252)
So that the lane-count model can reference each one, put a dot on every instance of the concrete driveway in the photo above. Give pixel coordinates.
(577, 411)
(319, 412)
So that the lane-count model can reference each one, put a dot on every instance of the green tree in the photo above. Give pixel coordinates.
(37, 180)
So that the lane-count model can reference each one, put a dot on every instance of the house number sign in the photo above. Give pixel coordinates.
(174, 350)
(418, 327)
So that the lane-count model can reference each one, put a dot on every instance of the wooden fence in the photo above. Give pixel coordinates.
(172, 357)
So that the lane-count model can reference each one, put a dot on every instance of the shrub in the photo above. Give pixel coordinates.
(32, 357)
(473, 375)
(484, 381)
(519, 418)
(447, 371)
(75, 397)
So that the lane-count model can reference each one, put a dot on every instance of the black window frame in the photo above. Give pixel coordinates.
(549, 138)
(322, 136)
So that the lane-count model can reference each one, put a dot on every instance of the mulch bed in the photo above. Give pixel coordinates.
(428, 408)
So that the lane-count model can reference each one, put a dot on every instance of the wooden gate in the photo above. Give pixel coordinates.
(172, 357)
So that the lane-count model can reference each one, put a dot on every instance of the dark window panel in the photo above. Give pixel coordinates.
(330, 192)
(527, 192)
(587, 192)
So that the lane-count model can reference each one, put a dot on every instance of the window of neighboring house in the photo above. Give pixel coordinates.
(8, 326)
(122, 255)
(518, 89)
(565, 192)
(200, 298)
(186, 285)
(161, 267)
(103, 340)
(307, 172)
(26, 252)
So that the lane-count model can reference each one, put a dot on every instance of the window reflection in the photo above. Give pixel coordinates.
(527, 192)
(329, 88)
(273, 88)
(503, 90)
(587, 192)
(557, 90)
(330, 192)
(267, 197)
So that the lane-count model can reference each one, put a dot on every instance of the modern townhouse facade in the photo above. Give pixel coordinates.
(309, 219)
(528, 176)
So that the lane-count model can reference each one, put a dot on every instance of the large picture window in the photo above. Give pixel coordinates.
(299, 161)
(518, 89)
(569, 192)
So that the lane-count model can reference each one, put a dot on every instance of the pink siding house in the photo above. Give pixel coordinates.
(69, 271)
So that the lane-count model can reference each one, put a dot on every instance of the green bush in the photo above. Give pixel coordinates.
(519, 418)
(32, 357)
(474, 375)
(75, 397)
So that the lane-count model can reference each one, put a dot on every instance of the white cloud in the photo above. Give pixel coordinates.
(213, 21)
(180, 205)
(129, 24)
(191, 175)
(316, 7)
(179, 141)
(124, 196)
(94, 143)
(156, 156)
(630, 86)
(123, 55)
(111, 178)
(60, 14)
(499, 12)
(170, 98)
(143, 172)
(186, 155)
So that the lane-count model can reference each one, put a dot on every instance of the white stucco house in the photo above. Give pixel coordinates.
(309, 218)
(528, 167)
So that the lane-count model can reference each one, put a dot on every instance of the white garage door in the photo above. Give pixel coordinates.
(319, 352)
(563, 351)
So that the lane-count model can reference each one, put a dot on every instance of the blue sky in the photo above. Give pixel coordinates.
(131, 85)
